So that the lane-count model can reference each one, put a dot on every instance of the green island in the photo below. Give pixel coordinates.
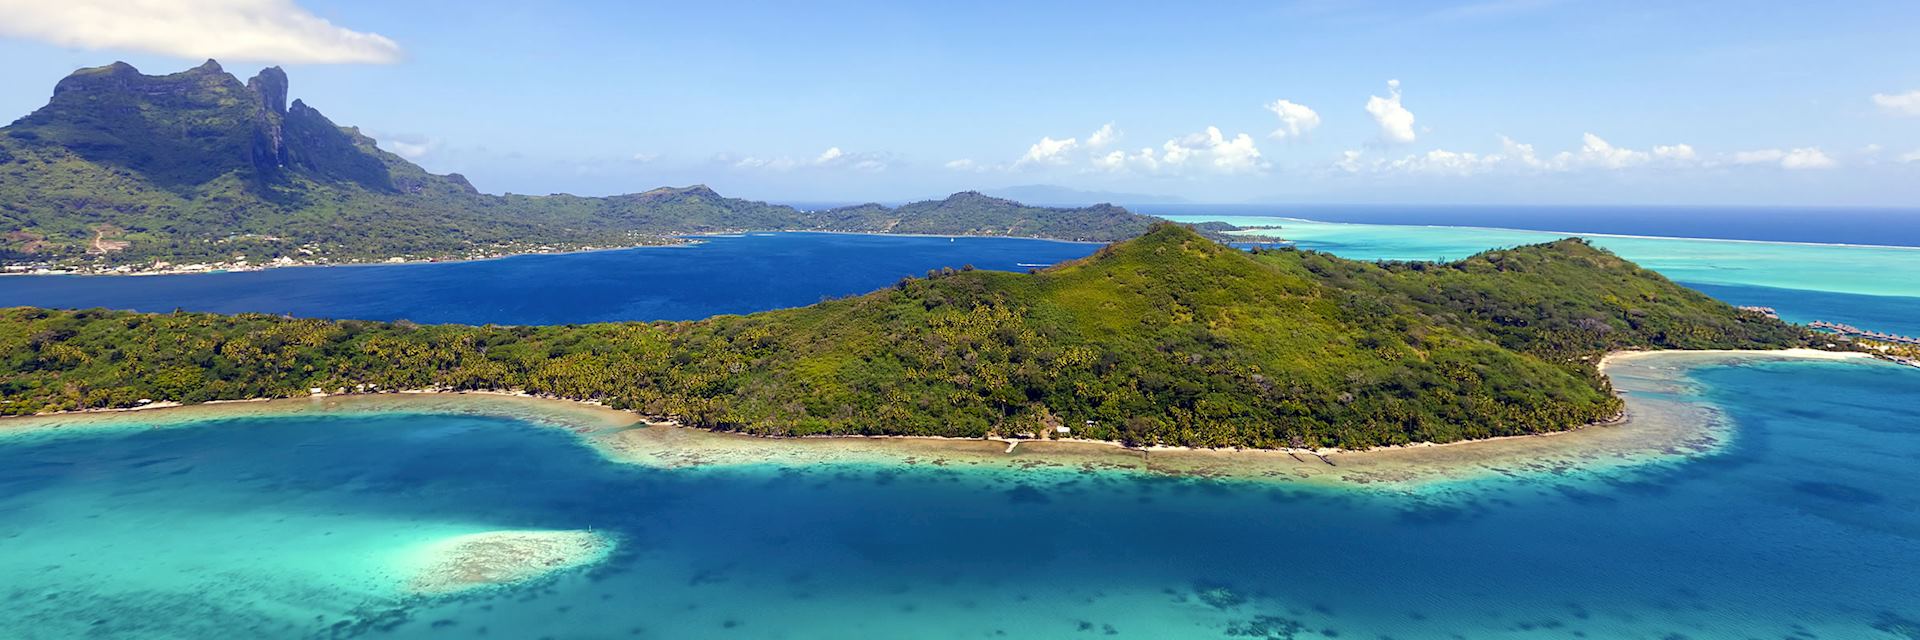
(1167, 339)
(125, 172)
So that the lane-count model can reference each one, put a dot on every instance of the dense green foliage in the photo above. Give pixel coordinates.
(125, 168)
(1170, 338)
(972, 213)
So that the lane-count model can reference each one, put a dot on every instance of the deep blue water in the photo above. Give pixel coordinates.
(1840, 225)
(1893, 314)
(722, 275)
(1806, 527)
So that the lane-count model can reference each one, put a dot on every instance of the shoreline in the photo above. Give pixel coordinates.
(1655, 426)
(1580, 234)
(684, 240)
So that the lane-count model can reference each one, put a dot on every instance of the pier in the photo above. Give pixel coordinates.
(1857, 332)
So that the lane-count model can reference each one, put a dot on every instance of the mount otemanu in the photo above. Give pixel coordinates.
(1170, 338)
(125, 169)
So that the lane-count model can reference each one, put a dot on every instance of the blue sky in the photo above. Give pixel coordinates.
(1501, 101)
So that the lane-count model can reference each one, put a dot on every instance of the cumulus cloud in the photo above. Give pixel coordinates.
(1594, 154)
(963, 164)
(274, 31)
(1118, 161)
(1678, 152)
(1520, 153)
(1910, 156)
(832, 157)
(1102, 137)
(1209, 150)
(1807, 158)
(1450, 162)
(1396, 122)
(1295, 119)
(1213, 150)
(1901, 104)
(405, 145)
(1801, 158)
(408, 150)
(1048, 151)
(1597, 152)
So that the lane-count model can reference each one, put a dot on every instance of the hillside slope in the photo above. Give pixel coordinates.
(1170, 338)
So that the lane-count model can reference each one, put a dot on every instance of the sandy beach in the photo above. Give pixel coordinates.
(1659, 425)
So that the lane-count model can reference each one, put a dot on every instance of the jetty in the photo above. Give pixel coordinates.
(1857, 332)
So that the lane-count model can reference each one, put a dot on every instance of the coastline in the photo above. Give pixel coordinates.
(1572, 234)
(672, 240)
(1661, 423)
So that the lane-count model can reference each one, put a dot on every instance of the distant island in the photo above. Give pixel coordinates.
(1167, 339)
(125, 172)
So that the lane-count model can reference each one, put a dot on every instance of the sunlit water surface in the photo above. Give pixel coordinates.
(1807, 526)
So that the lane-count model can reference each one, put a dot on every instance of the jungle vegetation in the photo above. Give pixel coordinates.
(1169, 338)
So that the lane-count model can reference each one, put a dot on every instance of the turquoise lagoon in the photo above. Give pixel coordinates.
(1802, 524)
(1872, 286)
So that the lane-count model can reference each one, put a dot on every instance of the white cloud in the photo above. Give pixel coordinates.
(1807, 158)
(1519, 152)
(1594, 154)
(272, 31)
(1396, 122)
(832, 157)
(645, 158)
(408, 150)
(1118, 161)
(1677, 152)
(1349, 161)
(1214, 151)
(1448, 162)
(405, 145)
(1801, 158)
(1048, 151)
(1102, 137)
(1597, 152)
(1295, 119)
(963, 164)
(1910, 156)
(1901, 104)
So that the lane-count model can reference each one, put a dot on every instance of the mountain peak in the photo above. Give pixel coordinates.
(968, 197)
(210, 66)
(271, 86)
(698, 190)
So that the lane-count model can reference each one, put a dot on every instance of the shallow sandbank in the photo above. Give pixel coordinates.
(496, 558)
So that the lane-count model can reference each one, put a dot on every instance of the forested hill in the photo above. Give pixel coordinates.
(122, 168)
(1170, 338)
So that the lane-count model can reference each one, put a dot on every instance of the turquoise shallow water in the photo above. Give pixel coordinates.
(1878, 271)
(1874, 287)
(1806, 526)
